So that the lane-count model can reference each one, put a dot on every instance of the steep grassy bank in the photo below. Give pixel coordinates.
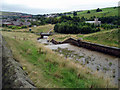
(109, 38)
(105, 37)
(48, 69)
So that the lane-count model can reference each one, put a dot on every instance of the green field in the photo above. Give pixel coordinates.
(105, 13)
(38, 29)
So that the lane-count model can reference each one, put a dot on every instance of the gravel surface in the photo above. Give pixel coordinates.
(105, 64)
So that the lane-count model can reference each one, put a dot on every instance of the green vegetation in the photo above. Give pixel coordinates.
(99, 10)
(43, 28)
(109, 38)
(106, 12)
(38, 29)
(62, 37)
(108, 26)
(110, 64)
(104, 37)
(75, 28)
(17, 27)
(48, 69)
(76, 24)
(74, 13)
(45, 67)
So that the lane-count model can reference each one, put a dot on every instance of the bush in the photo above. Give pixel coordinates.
(88, 12)
(14, 27)
(74, 13)
(32, 31)
(10, 26)
(19, 27)
(110, 20)
(24, 26)
(30, 25)
(108, 26)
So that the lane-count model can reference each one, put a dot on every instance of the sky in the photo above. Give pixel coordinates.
(54, 6)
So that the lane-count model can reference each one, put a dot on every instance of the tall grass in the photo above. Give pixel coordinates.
(46, 68)
(109, 38)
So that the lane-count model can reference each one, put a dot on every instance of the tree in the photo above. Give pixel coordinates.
(98, 10)
(75, 28)
(83, 18)
(76, 19)
(88, 11)
(115, 7)
(75, 13)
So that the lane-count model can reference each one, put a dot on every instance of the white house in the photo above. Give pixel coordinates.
(96, 22)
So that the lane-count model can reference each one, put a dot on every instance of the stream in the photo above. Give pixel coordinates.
(96, 61)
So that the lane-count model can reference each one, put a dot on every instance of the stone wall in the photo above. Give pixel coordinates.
(92, 46)
(13, 75)
(0, 62)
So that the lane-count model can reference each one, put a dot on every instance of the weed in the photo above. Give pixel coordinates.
(110, 64)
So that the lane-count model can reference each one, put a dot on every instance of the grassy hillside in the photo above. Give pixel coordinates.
(44, 28)
(105, 37)
(12, 13)
(48, 69)
(109, 38)
(105, 12)
(38, 29)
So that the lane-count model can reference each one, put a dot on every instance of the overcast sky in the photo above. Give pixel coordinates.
(54, 6)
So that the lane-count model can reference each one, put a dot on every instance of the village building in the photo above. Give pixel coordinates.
(95, 22)
(15, 23)
(26, 16)
(6, 23)
(26, 23)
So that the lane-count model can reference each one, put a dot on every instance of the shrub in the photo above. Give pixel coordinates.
(24, 26)
(32, 31)
(75, 13)
(10, 26)
(88, 12)
(19, 27)
(108, 26)
(14, 27)
(30, 25)
(110, 64)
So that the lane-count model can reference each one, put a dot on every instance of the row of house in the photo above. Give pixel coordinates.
(16, 23)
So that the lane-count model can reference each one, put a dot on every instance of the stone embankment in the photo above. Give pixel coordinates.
(92, 46)
(13, 75)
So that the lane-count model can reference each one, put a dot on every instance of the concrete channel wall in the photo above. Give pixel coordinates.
(13, 75)
(92, 46)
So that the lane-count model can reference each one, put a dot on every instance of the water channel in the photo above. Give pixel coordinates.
(96, 61)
